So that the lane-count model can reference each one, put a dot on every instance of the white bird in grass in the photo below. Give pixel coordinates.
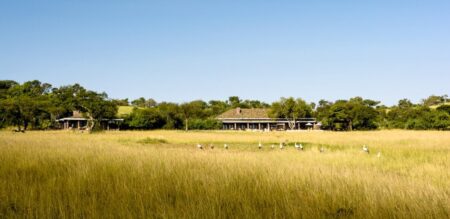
(281, 145)
(199, 146)
(365, 149)
(322, 149)
(379, 154)
(273, 146)
(298, 146)
(225, 146)
(260, 145)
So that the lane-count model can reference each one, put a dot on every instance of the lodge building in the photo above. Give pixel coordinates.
(258, 119)
(78, 122)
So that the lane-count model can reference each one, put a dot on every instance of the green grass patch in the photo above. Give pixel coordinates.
(124, 110)
(152, 141)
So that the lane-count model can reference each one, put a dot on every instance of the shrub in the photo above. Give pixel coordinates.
(205, 124)
(148, 118)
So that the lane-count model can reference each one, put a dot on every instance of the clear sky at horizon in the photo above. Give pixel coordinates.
(186, 50)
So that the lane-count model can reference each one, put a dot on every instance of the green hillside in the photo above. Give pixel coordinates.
(124, 110)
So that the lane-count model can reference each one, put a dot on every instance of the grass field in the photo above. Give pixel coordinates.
(161, 174)
(124, 110)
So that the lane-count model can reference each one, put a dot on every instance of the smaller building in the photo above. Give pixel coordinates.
(78, 122)
(258, 119)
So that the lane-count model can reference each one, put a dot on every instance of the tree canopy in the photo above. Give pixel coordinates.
(290, 109)
(37, 105)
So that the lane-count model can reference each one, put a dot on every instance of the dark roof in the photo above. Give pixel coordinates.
(238, 113)
(76, 116)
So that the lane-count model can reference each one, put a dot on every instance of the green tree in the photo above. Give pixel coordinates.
(216, 107)
(290, 109)
(5, 85)
(94, 106)
(194, 109)
(172, 115)
(147, 118)
(234, 101)
(356, 113)
(140, 102)
(434, 100)
(323, 114)
(121, 102)
(444, 108)
(25, 104)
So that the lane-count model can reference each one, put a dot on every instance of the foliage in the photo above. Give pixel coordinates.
(354, 114)
(147, 118)
(205, 124)
(444, 108)
(142, 102)
(419, 117)
(291, 109)
(26, 104)
(235, 101)
(434, 100)
(121, 102)
(38, 105)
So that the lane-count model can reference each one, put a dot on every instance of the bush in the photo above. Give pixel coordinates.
(148, 118)
(205, 124)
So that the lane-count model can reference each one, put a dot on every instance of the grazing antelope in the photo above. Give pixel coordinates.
(199, 146)
(365, 149)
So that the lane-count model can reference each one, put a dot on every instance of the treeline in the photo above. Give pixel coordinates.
(197, 114)
(37, 105)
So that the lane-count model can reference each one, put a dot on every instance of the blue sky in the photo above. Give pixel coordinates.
(185, 50)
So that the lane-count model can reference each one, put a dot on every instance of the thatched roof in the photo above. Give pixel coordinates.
(238, 113)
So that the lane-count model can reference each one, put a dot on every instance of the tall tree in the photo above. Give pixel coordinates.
(146, 118)
(25, 104)
(290, 109)
(194, 109)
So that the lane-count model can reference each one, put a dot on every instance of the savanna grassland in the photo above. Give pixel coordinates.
(162, 174)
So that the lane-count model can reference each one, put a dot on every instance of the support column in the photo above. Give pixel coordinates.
(268, 126)
(259, 126)
(248, 125)
(235, 126)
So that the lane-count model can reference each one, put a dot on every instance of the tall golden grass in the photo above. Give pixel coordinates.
(162, 174)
